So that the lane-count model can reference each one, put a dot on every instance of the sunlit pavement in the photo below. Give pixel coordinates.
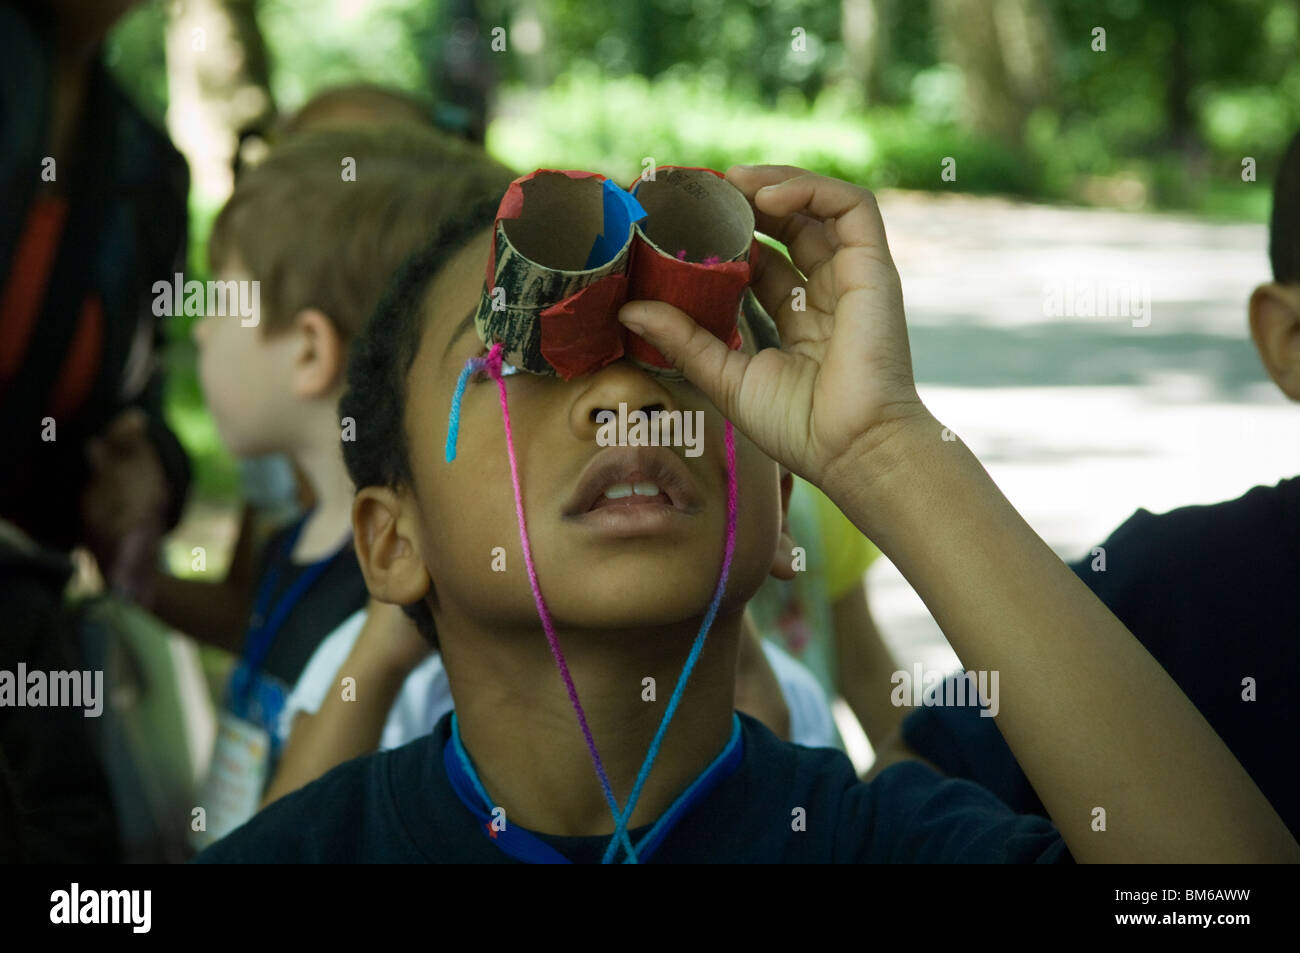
(1082, 420)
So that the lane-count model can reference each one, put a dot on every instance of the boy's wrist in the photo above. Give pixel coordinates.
(876, 472)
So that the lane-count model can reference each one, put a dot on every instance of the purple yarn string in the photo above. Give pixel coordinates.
(493, 364)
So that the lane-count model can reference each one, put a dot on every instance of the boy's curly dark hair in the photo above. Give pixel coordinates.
(381, 358)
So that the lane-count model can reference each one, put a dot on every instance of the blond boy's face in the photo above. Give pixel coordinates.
(603, 560)
(245, 374)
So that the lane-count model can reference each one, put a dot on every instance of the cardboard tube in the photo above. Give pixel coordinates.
(539, 259)
(569, 248)
(699, 212)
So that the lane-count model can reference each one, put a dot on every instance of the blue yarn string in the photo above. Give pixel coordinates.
(620, 836)
(473, 365)
(620, 830)
(494, 366)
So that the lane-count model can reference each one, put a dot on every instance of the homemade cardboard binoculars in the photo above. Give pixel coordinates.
(569, 248)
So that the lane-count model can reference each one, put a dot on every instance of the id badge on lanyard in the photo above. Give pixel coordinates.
(247, 732)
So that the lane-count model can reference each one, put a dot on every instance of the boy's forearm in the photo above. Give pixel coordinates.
(1093, 719)
(341, 730)
(864, 666)
(214, 613)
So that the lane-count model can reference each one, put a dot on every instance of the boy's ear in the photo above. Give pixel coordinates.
(320, 357)
(386, 546)
(1275, 327)
(783, 558)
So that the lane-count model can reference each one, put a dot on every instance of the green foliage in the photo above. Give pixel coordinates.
(135, 54)
(691, 119)
(215, 471)
(719, 80)
(1184, 91)
(318, 44)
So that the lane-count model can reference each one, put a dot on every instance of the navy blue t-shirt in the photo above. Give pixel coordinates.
(398, 806)
(1211, 592)
(339, 593)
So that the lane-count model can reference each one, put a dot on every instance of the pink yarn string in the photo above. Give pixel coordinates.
(493, 365)
(728, 550)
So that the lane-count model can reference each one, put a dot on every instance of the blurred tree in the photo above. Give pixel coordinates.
(1026, 35)
(218, 81)
(1004, 51)
(969, 40)
(865, 29)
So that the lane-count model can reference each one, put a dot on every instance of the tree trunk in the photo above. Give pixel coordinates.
(1178, 88)
(969, 39)
(218, 84)
(1028, 44)
(865, 28)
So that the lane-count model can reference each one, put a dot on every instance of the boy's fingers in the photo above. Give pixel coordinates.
(854, 210)
(804, 235)
(705, 360)
(750, 178)
(774, 284)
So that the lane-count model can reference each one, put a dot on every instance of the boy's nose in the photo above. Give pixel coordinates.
(619, 383)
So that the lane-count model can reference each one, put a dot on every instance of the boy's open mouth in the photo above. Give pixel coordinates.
(625, 478)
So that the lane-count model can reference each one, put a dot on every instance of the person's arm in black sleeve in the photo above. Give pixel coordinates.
(912, 815)
(962, 743)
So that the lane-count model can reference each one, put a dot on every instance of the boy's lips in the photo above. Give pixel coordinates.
(619, 469)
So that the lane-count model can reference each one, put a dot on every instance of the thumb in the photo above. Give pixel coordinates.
(706, 361)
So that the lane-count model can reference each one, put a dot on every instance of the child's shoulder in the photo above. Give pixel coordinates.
(1181, 576)
(1183, 533)
(919, 816)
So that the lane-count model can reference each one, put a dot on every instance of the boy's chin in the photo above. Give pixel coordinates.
(649, 615)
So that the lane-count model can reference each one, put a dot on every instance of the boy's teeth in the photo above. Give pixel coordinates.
(620, 491)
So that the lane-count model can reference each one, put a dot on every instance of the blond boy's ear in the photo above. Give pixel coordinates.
(321, 355)
(1275, 327)
(783, 558)
(386, 547)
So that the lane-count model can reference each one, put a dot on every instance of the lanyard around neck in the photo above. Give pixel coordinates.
(526, 846)
(267, 619)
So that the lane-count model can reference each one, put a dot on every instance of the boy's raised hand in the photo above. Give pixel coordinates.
(842, 380)
(1088, 712)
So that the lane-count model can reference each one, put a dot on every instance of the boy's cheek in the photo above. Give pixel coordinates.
(227, 393)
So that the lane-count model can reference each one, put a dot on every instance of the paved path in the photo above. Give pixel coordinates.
(1081, 420)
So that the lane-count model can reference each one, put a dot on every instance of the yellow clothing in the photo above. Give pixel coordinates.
(848, 552)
